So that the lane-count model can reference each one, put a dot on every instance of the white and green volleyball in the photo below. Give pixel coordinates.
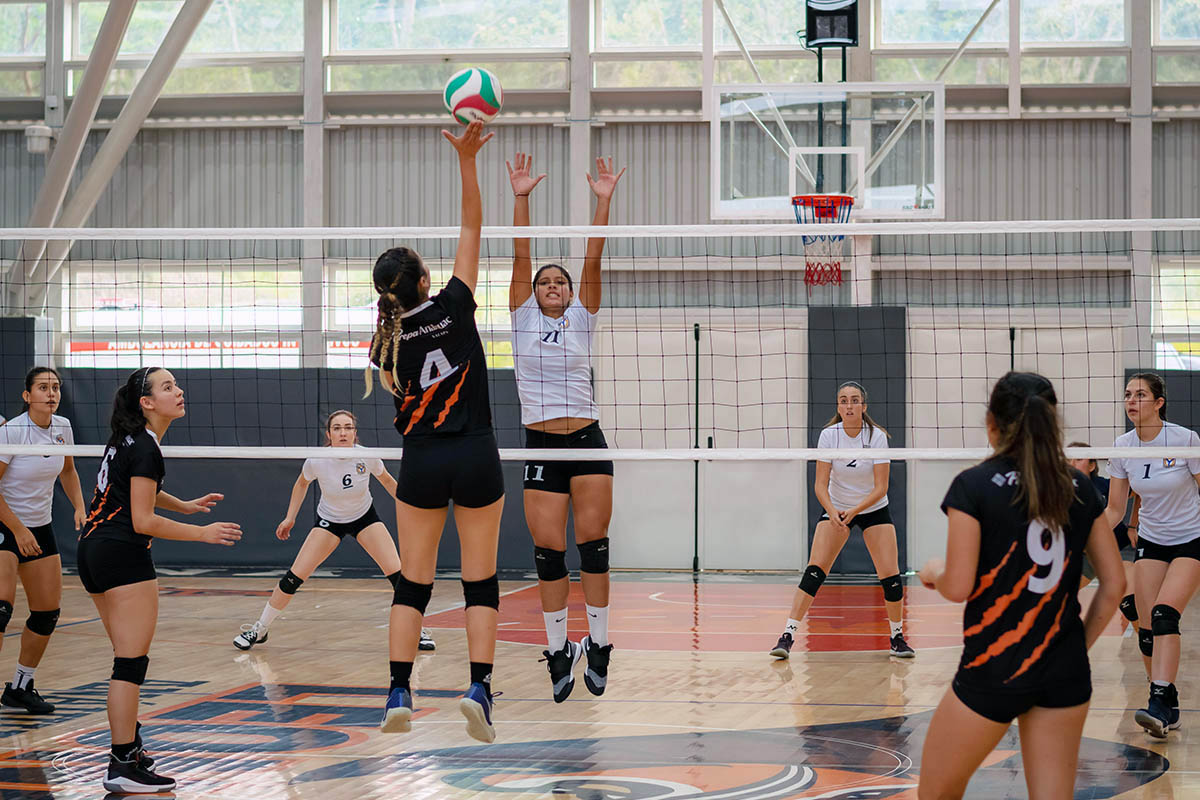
(473, 94)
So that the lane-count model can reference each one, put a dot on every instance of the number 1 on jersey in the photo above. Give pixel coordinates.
(1147, 475)
(436, 368)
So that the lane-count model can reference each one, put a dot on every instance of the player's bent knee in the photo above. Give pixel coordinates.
(1146, 642)
(893, 588)
(810, 582)
(413, 595)
(1128, 608)
(42, 622)
(1164, 620)
(593, 556)
(130, 670)
(6, 612)
(551, 565)
(290, 582)
(485, 592)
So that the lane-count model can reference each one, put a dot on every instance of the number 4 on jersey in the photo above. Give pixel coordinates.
(436, 369)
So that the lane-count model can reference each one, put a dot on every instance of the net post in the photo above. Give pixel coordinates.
(696, 463)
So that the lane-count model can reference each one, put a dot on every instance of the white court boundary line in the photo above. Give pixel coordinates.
(617, 231)
(600, 454)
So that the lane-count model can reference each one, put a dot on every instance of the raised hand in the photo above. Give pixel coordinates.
(470, 142)
(606, 180)
(519, 177)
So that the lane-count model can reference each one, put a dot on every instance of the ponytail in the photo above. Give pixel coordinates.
(128, 417)
(1024, 410)
(397, 277)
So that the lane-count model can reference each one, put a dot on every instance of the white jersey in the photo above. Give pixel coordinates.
(850, 482)
(554, 362)
(28, 482)
(1170, 512)
(345, 484)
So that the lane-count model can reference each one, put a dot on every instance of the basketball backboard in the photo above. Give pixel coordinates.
(884, 143)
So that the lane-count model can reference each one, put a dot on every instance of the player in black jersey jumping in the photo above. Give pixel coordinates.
(431, 359)
(114, 556)
(1020, 523)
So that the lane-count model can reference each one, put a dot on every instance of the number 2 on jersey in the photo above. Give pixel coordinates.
(1055, 555)
(436, 369)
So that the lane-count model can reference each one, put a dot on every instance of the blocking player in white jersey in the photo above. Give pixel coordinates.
(1167, 538)
(27, 546)
(552, 345)
(854, 495)
(345, 509)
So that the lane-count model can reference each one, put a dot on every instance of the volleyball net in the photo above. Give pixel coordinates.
(714, 362)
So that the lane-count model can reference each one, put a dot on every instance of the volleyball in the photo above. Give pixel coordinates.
(473, 94)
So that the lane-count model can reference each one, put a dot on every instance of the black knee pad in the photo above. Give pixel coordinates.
(551, 565)
(414, 595)
(130, 670)
(42, 622)
(1164, 620)
(289, 583)
(393, 578)
(893, 588)
(593, 556)
(482, 593)
(1128, 608)
(1146, 642)
(6, 610)
(810, 582)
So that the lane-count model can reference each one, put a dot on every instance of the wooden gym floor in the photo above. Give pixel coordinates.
(695, 706)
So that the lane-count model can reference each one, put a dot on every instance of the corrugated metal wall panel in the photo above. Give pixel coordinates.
(409, 176)
(20, 176)
(998, 289)
(1177, 180)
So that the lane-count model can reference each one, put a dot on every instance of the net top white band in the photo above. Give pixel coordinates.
(678, 454)
(615, 231)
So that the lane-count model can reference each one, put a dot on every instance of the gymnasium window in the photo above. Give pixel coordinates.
(230, 26)
(382, 25)
(936, 22)
(1178, 20)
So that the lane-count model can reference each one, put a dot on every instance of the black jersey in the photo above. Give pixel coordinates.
(1023, 613)
(109, 517)
(441, 369)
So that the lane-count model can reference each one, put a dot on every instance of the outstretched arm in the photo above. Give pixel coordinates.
(520, 287)
(466, 257)
(590, 283)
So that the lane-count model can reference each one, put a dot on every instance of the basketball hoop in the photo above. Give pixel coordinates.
(822, 254)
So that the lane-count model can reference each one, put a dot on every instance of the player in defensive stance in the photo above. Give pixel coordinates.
(432, 361)
(854, 495)
(552, 344)
(1168, 538)
(1020, 524)
(114, 560)
(26, 500)
(345, 510)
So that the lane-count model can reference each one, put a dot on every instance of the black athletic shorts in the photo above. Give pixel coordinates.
(1153, 551)
(869, 519)
(1068, 683)
(45, 538)
(555, 476)
(351, 529)
(436, 470)
(106, 564)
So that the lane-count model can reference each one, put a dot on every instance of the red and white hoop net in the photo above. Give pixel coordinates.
(822, 254)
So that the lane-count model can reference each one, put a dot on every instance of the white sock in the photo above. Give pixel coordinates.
(598, 624)
(897, 627)
(792, 627)
(269, 614)
(556, 629)
(1156, 683)
(23, 676)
